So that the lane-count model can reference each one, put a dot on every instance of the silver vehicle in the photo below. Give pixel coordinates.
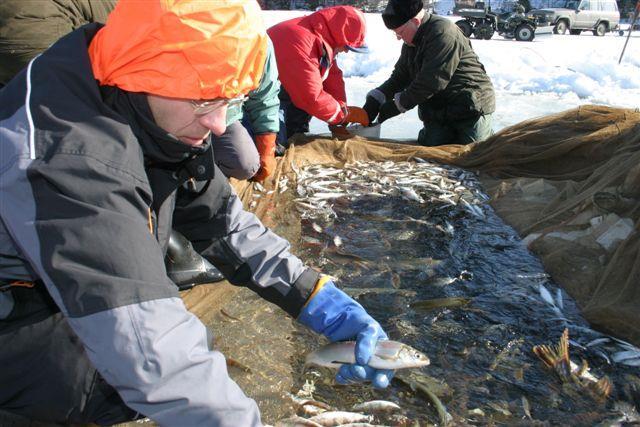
(575, 16)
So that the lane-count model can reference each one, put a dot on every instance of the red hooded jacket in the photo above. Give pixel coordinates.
(304, 49)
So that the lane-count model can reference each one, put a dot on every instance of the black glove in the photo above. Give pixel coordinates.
(387, 111)
(372, 107)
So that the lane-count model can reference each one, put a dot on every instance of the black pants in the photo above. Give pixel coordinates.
(292, 119)
(45, 374)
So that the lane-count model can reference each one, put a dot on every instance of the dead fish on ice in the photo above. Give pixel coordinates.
(388, 355)
(432, 304)
(376, 407)
(335, 418)
(410, 194)
(296, 421)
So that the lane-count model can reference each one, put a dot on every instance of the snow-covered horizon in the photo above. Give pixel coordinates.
(531, 79)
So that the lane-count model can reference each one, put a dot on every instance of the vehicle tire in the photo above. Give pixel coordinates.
(620, 33)
(465, 27)
(561, 27)
(525, 32)
(575, 32)
(483, 32)
(600, 30)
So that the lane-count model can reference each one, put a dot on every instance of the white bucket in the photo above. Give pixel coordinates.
(365, 131)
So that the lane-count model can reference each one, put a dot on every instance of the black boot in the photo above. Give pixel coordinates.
(185, 267)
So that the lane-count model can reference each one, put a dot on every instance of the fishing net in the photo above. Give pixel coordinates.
(568, 183)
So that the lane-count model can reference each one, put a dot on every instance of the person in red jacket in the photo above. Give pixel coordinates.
(312, 83)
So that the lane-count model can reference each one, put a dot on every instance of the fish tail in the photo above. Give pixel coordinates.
(556, 357)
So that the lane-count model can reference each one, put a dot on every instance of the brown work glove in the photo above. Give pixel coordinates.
(340, 132)
(266, 145)
(356, 115)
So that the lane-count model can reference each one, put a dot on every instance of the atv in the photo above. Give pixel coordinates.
(483, 23)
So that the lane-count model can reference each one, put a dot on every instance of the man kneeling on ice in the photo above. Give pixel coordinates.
(439, 72)
(106, 145)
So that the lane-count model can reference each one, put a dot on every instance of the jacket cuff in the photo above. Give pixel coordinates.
(300, 292)
(396, 100)
(378, 95)
(339, 115)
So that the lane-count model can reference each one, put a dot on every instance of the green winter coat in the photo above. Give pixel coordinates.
(441, 74)
(29, 27)
(262, 104)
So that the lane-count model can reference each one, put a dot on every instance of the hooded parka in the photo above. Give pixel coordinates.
(305, 53)
(90, 189)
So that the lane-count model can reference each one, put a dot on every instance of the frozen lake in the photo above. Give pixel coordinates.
(531, 79)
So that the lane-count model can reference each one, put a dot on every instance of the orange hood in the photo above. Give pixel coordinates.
(191, 49)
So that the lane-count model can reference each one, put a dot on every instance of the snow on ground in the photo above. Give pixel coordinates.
(531, 79)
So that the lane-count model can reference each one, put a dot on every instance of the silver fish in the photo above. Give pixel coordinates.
(631, 362)
(625, 355)
(597, 341)
(258, 187)
(546, 295)
(297, 421)
(388, 355)
(376, 407)
(334, 418)
(410, 194)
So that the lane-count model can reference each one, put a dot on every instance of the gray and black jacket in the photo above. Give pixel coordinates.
(88, 198)
(441, 74)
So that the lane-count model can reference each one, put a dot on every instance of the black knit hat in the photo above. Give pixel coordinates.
(399, 12)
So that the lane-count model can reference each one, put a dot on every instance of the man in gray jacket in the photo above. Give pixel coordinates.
(105, 146)
(437, 71)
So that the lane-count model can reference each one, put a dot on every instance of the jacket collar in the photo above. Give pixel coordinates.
(422, 29)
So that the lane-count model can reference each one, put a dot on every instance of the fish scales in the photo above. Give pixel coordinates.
(376, 407)
(334, 418)
(388, 355)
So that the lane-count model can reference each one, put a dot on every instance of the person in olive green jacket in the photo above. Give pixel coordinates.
(27, 28)
(437, 71)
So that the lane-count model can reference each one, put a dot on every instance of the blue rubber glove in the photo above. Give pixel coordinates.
(337, 316)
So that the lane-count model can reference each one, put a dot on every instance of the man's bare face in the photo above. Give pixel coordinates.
(407, 31)
(177, 117)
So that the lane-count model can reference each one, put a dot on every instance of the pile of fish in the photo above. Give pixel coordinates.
(609, 348)
(319, 186)
(418, 244)
(313, 413)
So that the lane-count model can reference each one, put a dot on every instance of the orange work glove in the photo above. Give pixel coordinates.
(266, 145)
(356, 115)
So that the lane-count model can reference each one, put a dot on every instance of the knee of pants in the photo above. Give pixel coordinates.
(244, 166)
(236, 153)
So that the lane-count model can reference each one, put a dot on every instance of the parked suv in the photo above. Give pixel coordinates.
(599, 16)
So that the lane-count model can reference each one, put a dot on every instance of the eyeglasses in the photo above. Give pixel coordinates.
(201, 108)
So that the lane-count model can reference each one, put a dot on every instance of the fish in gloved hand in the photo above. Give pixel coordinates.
(333, 313)
(387, 355)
